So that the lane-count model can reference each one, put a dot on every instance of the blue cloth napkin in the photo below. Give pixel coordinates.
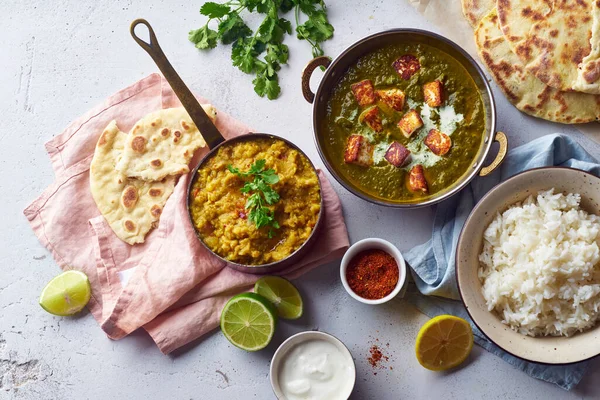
(432, 263)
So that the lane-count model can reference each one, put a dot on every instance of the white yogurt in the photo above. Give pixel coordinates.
(316, 370)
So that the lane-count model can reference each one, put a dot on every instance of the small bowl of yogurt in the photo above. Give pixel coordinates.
(312, 365)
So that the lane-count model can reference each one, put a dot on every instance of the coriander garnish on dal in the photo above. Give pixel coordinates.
(262, 192)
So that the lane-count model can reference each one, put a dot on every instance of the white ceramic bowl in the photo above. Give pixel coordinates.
(302, 337)
(547, 350)
(370, 244)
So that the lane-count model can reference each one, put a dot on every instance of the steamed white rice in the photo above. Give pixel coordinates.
(539, 266)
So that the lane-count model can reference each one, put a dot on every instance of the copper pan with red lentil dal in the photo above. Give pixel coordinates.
(217, 207)
(218, 210)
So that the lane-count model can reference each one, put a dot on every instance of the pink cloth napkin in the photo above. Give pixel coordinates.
(175, 288)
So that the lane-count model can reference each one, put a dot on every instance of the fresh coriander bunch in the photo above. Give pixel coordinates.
(261, 53)
(261, 194)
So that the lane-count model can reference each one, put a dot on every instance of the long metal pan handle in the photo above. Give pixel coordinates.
(209, 131)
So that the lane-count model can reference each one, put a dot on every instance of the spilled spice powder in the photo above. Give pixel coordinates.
(376, 358)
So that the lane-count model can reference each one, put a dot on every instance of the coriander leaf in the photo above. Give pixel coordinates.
(270, 177)
(317, 28)
(243, 55)
(253, 201)
(273, 29)
(307, 6)
(233, 170)
(261, 6)
(277, 53)
(272, 88)
(266, 86)
(271, 196)
(204, 38)
(257, 167)
(233, 28)
(214, 10)
(286, 5)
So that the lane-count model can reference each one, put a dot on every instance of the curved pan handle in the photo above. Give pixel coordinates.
(503, 142)
(209, 131)
(322, 61)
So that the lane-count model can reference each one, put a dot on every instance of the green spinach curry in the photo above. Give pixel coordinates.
(405, 122)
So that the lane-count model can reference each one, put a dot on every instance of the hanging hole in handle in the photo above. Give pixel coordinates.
(322, 61)
(149, 45)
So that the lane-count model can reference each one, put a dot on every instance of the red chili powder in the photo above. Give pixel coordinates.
(372, 274)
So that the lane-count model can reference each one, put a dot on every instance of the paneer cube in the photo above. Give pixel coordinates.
(410, 122)
(439, 143)
(371, 117)
(397, 155)
(359, 151)
(406, 66)
(364, 92)
(392, 97)
(433, 92)
(416, 179)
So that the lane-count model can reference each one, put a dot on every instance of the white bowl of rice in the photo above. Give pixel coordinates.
(528, 265)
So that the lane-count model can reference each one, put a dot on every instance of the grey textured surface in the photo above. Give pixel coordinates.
(59, 58)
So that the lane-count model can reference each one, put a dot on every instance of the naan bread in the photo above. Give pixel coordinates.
(524, 90)
(553, 39)
(132, 207)
(475, 10)
(162, 144)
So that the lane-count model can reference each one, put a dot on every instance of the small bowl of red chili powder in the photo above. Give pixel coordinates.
(373, 271)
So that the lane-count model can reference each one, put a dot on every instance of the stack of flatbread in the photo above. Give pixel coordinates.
(133, 174)
(544, 54)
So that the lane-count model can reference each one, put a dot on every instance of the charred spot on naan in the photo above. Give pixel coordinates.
(138, 144)
(155, 192)
(129, 197)
(129, 226)
(156, 210)
(592, 71)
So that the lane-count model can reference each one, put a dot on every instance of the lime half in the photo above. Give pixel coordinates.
(282, 294)
(66, 294)
(248, 321)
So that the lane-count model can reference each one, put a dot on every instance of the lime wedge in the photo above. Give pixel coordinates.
(282, 294)
(248, 321)
(66, 294)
